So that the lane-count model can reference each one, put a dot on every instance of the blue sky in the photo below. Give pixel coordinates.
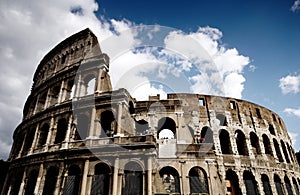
(258, 41)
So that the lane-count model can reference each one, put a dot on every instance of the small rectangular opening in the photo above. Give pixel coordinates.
(232, 105)
(201, 102)
(258, 113)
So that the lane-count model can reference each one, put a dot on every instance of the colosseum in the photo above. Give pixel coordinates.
(78, 136)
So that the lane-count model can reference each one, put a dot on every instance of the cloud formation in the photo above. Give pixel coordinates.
(290, 84)
(28, 30)
(296, 6)
(292, 111)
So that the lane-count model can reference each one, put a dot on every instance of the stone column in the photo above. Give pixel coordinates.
(22, 186)
(242, 183)
(38, 181)
(115, 177)
(34, 139)
(119, 119)
(49, 136)
(61, 92)
(48, 99)
(149, 175)
(99, 83)
(77, 87)
(60, 179)
(92, 124)
(84, 177)
(67, 137)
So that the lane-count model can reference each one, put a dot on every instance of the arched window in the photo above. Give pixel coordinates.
(50, 181)
(54, 93)
(41, 102)
(89, 82)
(131, 108)
(267, 145)
(133, 179)
(206, 135)
(241, 142)
(289, 149)
(255, 143)
(266, 184)
(222, 119)
(72, 181)
(278, 185)
(28, 140)
(141, 127)
(287, 159)
(198, 180)
(225, 142)
(296, 186)
(108, 123)
(170, 180)
(31, 182)
(271, 129)
(70, 90)
(277, 149)
(288, 185)
(43, 135)
(16, 181)
(250, 183)
(61, 130)
(166, 128)
(82, 129)
(232, 182)
(101, 179)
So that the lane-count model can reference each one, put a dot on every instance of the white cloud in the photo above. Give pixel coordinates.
(296, 6)
(292, 111)
(289, 84)
(294, 137)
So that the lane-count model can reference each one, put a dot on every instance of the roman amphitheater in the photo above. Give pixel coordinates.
(78, 136)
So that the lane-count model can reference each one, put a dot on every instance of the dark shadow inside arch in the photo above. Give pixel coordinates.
(170, 178)
(101, 181)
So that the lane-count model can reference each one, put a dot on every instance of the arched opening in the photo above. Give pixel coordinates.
(131, 108)
(166, 128)
(72, 181)
(255, 143)
(296, 186)
(289, 149)
(277, 149)
(108, 123)
(288, 185)
(222, 119)
(206, 135)
(28, 140)
(16, 181)
(266, 184)
(250, 183)
(31, 182)
(70, 90)
(18, 142)
(101, 180)
(61, 130)
(89, 83)
(43, 135)
(225, 142)
(83, 124)
(170, 180)
(198, 180)
(133, 179)
(286, 156)
(278, 185)
(54, 93)
(50, 181)
(271, 129)
(232, 183)
(141, 127)
(267, 145)
(41, 101)
(241, 143)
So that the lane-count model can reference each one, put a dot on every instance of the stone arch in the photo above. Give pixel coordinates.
(72, 183)
(286, 156)
(16, 181)
(141, 127)
(266, 184)
(296, 186)
(255, 143)
(241, 143)
(43, 134)
(277, 149)
(61, 130)
(133, 179)
(108, 123)
(131, 108)
(288, 185)
(267, 144)
(82, 127)
(278, 185)
(31, 182)
(232, 182)
(198, 180)
(101, 181)
(50, 181)
(170, 179)
(29, 139)
(222, 119)
(250, 183)
(225, 142)
(206, 135)
(41, 101)
(70, 89)
(54, 94)
(271, 129)
(89, 84)
(164, 124)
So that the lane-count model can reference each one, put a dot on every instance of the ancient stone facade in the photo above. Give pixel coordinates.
(80, 137)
